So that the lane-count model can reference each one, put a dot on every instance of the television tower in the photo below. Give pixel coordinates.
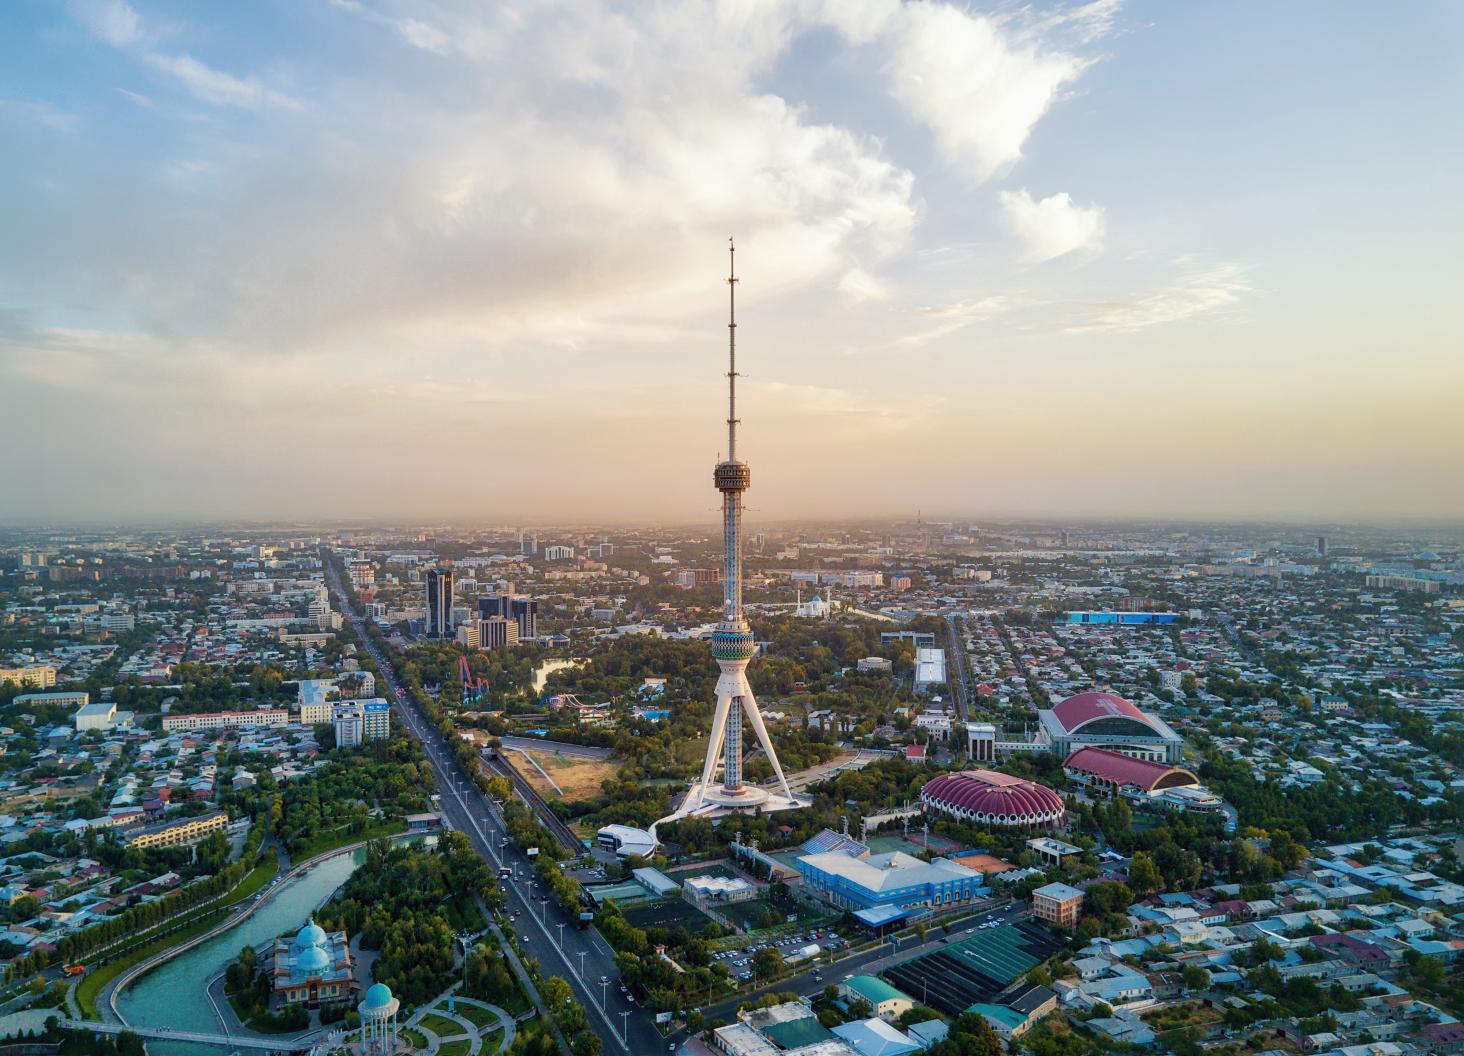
(732, 641)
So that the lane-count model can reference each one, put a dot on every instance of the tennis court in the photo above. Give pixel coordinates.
(669, 914)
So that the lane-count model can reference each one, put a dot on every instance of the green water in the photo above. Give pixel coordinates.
(174, 996)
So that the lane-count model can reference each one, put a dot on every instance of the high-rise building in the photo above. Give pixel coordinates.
(439, 603)
(528, 544)
(362, 573)
(733, 645)
(558, 553)
(358, 721)
(1322, 545)
(497, 633)
(349, 721)
(377, 724)
(521, 610)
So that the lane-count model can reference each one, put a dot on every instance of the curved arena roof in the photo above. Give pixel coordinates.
(993, 798)
(1077, 712)
(1120, 770)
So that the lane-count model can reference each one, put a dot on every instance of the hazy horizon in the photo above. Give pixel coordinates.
(366, 259)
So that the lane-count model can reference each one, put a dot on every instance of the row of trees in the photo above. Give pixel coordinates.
(142, 916)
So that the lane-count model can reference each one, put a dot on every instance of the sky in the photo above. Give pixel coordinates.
(422, 260)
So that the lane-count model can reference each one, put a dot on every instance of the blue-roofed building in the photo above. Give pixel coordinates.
(893, 879)
(313, 967)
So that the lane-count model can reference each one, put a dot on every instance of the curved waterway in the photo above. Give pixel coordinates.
(173, 995)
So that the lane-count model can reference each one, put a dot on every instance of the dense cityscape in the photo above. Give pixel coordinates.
(1058, 787)
(731, 528)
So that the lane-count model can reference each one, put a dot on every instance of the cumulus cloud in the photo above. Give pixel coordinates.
(1052, 227)
(979, 83)
(476, 191)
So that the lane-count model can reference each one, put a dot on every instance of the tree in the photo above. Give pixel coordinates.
(556, 993)
(1195, 977)
(1429, 971)
(767, 962)
(585, 1043)
(970, 1035)
(1144, 876)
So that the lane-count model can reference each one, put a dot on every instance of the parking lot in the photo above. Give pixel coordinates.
(739, 960)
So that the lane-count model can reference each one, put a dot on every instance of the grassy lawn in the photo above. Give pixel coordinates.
(333, 838)
(440, 1025)
(461, 1047)
(90, 986)
(257, 877)
(413, 1038)
(480, 1017)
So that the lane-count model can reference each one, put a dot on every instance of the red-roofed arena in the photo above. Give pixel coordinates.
(988, 797)
(1114, 770)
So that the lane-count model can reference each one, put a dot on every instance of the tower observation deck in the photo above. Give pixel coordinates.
(733, 645)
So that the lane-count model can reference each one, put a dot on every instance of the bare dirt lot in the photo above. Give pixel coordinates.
(579, 778)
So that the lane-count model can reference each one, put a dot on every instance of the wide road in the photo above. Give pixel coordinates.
(960, 668)
(546, 932)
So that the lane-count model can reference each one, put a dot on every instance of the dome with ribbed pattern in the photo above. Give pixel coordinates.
(989, 797)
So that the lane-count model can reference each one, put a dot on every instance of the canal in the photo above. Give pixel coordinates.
(173, 995)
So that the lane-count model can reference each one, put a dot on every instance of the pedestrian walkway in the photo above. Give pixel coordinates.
(454, 1032)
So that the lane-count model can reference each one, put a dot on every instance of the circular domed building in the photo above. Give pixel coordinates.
(990, 798)
(378, 1011)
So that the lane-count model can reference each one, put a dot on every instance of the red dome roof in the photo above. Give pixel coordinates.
(1085, 707)
(995, 794)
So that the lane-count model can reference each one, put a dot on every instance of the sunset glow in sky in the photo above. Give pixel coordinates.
(428, 259)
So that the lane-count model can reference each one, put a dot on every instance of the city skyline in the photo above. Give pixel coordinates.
(1093, 261)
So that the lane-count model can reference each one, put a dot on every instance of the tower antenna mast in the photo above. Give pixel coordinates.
(731, 351)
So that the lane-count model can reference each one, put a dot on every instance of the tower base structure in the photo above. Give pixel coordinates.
(714, 802)
(708, 798)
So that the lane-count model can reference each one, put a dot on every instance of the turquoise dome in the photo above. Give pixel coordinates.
(312, 934)
(312, 959)
(378, 996)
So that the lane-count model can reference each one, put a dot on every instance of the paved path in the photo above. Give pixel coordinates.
(223, 1041)
(469, 1032)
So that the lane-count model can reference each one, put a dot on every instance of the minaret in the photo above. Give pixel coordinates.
(732, 642)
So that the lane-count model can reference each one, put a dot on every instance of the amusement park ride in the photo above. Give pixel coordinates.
(475, 690)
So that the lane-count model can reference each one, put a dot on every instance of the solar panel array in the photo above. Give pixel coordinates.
(829, 840)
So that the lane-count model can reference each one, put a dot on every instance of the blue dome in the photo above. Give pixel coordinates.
(312, 934)
(378, 996)
(313, 959)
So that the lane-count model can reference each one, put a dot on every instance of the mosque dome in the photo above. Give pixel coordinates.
(377, 996)
(312, 934)
(312, 959)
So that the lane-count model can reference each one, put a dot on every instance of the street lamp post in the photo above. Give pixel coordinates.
(561, 938)
(624, 1027)
(582, 964)
(464, 937)
(604, 983)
